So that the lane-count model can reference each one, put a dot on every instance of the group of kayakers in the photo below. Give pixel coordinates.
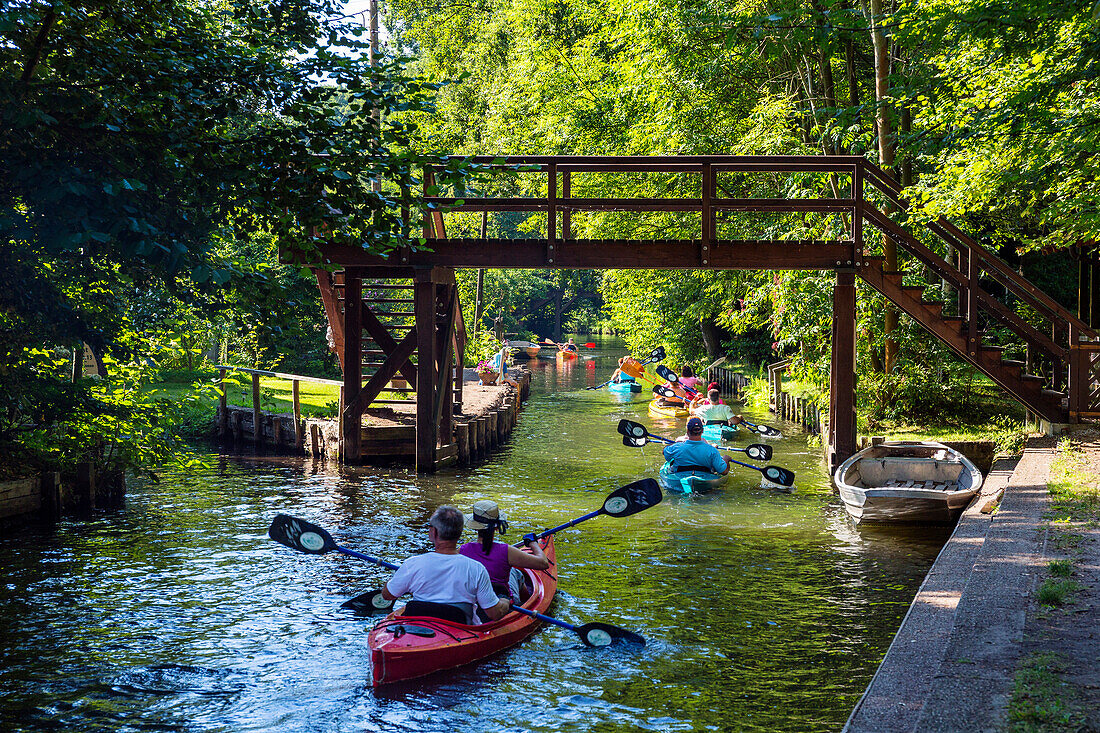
(470, 584)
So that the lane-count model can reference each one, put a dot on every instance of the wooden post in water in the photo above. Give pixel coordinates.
(299, 434)
(351, 420)
(257, 427)
(427, 433)
(223, 405)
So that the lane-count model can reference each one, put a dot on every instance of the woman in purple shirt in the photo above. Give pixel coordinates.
(500, 559)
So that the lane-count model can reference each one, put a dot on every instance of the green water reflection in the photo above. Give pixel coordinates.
(763, 611)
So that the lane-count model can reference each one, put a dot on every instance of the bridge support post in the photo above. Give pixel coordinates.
(427, 427)
(842, 378)
(351, 417)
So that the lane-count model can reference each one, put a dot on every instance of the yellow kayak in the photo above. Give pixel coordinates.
(658, 410)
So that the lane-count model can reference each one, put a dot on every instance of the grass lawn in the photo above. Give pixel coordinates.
(276, 395)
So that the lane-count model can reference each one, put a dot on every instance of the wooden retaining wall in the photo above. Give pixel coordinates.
(50, 496)
(474, 437)
(798, 410)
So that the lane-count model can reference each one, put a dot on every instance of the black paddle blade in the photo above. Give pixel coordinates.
(632, 498)
(759, 452)
(778, 476)
(631, 429)
(300, 535)
(368, 603)
(598, 634)
(667, 374)
(665, 391)
(631, 442)
(657, 354)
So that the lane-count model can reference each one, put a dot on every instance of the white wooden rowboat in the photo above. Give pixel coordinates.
(907, 481)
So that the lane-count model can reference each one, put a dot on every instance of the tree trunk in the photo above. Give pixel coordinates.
(886, 160)
(712, 338)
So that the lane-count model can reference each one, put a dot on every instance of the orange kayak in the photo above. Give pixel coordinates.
(565, 354)
(406, 647)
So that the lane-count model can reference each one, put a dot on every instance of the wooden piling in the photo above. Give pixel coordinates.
(276, 431)
(257, 430)
(299, 436)
(223, 405)
(238, 427)
(462, 440)
(315, 440)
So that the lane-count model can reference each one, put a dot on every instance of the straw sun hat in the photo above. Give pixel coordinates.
(485, 514)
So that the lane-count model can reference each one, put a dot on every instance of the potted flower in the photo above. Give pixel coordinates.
(486, 373)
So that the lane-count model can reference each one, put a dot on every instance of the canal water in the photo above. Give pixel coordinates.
(762, 611)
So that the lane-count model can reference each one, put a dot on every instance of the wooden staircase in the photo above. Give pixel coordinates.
(389, 359)
(1057, 381)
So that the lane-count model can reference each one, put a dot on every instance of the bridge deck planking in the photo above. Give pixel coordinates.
(669, 254)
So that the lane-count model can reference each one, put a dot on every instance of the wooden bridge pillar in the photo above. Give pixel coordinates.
(426, 427)
(842, 377)
(351, 418)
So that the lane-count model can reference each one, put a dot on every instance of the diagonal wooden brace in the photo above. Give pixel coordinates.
(386, 372)
(386, 342)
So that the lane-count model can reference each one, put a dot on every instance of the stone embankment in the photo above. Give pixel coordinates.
(952, 664)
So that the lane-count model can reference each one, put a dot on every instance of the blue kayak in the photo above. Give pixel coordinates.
(690, 482)
(715, 433)
(624, 387)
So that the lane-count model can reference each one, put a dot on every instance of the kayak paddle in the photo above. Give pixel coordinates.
(764, 431)
(670, 376)
(303, 536)
(773, 476)
(592, 634)
(630, 429)
(622, 502)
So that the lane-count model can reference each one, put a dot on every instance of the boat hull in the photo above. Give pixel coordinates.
(716, 433)
(566, 355)
(907, 481)
(624, 387)
(690, 482)
(658, 410)
(401, 648)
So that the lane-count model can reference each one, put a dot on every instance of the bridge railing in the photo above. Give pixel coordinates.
(560, 201)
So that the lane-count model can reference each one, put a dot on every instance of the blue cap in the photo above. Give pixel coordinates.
(695, 425)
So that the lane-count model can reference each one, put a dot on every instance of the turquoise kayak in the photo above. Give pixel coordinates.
(624, 387)
(715, 433)
(690, 482)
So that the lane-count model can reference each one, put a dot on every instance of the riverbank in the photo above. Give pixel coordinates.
(482, 421)
(963, 658)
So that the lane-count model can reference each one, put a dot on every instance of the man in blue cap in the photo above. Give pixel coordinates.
(695, 454)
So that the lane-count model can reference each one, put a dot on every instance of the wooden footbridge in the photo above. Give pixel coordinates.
(1058, 380)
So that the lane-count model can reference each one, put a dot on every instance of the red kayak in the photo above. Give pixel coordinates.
(405, 647)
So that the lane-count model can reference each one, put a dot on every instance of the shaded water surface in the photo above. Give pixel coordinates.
(763, 611)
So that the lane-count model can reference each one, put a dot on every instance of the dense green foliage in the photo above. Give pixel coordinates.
(153, 154)
(988, 116)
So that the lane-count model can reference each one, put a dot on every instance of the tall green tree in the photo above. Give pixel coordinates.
(137, 137)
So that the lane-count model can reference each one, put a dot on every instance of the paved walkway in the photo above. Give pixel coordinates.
(952, 663)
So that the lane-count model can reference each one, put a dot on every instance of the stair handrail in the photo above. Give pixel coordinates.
(992, 264)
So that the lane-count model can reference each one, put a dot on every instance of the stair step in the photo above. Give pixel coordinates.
(1053, 395)
(1013, 363)
(932, 306)
(1032, 378)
